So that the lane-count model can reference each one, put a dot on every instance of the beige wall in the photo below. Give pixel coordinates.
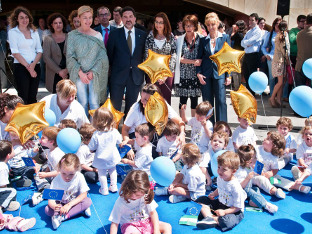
(264, 8)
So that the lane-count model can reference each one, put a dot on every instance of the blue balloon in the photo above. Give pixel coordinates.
(39, 134)
(258, 81)
(68, 140)
(214, 162)
(300, 100)
(307, 68)
(50, 117)
(163, 171)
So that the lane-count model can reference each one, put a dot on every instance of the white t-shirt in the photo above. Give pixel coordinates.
(135, 117)
(85, 156)
(242, 173)
(143, 157)
(17, 161)
(230, 146)
(195, 180)
(134, 211)
(4, 174)
(75, 111)
(290, 143)
(243, 136)
(304, 152)
(269, 160)
(198, 134)
(106, 155)
(4, 135)
(231, 193)
(167, 148)
(206, 157)
(72, 189)
(54, 157)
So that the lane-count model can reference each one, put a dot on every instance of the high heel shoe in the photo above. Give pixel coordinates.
(273, 103)
(279, 105)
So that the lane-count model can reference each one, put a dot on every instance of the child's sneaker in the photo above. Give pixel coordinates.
(304, 189)
(103, 191)
(295, 172)
(206, 223)
(113, 189)
(177, 198)
(161, 191)
(14, 205)
(36, 198)
(57, 220)
(88, 212)
(26, 224)
(271, 207)
(280, 194)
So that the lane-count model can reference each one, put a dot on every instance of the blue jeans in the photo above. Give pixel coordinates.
(86, 96)
(271, 78)
(253, 193)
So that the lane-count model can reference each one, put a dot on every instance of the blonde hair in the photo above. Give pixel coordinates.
(212, 17)
(103, 119)
(307, 127)
(191, 154)
(84, 9)
(69, 160)
(66, 88)
(229, 159)
(221, 134)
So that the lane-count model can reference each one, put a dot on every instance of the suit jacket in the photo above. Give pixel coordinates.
(52, 56)
(304, 45)
(122, 63)
(99, 29)
(208, 68)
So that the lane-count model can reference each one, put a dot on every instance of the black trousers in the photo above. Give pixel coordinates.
(250, 64)
(27, 86)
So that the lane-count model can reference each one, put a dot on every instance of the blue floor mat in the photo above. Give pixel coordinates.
(294, 214)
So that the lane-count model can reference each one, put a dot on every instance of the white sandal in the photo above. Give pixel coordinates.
(306, 189)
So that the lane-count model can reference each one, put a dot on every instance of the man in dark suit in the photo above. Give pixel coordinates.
(104, 27)
(125, 49)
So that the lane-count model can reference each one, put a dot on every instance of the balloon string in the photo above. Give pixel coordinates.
(264, 110)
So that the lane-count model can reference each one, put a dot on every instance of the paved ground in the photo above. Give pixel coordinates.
(264, 121)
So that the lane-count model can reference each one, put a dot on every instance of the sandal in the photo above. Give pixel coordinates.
(273, 103)
(305, 189)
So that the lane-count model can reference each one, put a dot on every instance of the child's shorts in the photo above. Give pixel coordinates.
(226, 222)
(144, 226)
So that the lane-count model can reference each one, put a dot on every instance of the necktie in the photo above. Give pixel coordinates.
(129, 41)
(106, 37)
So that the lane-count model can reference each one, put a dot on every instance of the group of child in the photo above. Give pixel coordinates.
(98, 156)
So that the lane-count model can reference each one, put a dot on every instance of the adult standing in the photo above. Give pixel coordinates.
(179, 31)
(280, 59)
(268, 48)
(304, 52)
(3, 52)
(104, 27)
(213, 85)
(43, 32)
(27, 51)
(117, 21)
(54, 47)
(251, 43)
(125, 50)
(186, 82)
(87, 64)
(161, 41)
(74, 20)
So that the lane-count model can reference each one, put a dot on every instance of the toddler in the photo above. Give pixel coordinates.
(244, 134)
(228, 210)
(224, 127)
(135, 208)
(103, 142)
(67, 123)
(190, 182)
(74, 200)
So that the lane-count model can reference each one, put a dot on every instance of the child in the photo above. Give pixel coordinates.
(49, 170)
(168, 144)
(75, 200)
(17, 165)
(227, 210)
(143, 147)
(219, 141)
(67, 123)
(85, 156)
(190, 182)
(7, 195)
(17, 223)
(245, 173)
(284, 126)
(244, 134)
(201, 126)
(103, 142)
(224, 127)
(135, 208)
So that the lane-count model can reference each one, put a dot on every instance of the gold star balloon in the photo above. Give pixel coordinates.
(156, 112)
(244, 104)
(27, 120)
(156, 66)
(228, 59)
(117, 114)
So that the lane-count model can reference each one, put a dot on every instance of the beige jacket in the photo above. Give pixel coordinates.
(279, 52)
(52, 56)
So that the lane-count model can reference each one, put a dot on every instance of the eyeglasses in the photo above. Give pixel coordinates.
(189, 26)
(159, 22)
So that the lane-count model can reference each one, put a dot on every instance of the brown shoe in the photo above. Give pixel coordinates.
(273, 103)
